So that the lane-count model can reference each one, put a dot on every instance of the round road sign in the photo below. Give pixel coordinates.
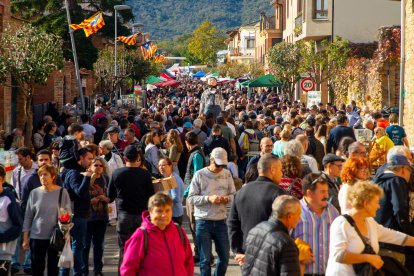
(307, 84)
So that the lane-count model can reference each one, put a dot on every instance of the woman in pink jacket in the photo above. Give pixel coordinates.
(158, 247)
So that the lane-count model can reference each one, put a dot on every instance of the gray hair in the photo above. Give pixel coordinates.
(265, 163)
(398, 150)
(107, 144)
(284, 205)
(294, 148)
(354, 147)
(366, 122)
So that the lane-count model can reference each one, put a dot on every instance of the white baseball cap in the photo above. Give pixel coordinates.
(219, 155)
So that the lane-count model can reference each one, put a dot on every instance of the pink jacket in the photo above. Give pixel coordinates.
(166, 253)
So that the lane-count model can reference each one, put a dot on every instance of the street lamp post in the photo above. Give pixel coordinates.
(117, 8)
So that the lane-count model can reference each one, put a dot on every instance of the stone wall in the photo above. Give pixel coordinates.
(408, 120)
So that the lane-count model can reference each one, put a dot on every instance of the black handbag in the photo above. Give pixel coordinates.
(57, 240)
(363, 269)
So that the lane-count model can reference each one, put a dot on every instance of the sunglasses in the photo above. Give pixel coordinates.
(322, 178)
(97, 165)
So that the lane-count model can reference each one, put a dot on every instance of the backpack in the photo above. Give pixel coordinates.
(68, 150)
(254, 143)
(144, 230)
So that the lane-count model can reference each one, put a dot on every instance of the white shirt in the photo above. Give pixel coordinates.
(24, 176)
(344, 238)
(313, 165)
(342, 199)
(232, 127)
(88, 129)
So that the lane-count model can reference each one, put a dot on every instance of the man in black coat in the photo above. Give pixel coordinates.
(216, 140)
(269, 248)
(394, 205)
(253, 203)
(339, 132)
(315, 147)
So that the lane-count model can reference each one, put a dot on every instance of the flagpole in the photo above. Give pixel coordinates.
(75, 59)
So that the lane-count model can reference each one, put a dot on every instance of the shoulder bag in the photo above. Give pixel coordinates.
(57, 240)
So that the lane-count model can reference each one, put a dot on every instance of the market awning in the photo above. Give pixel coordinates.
(245, 83)
(172, 83)
(199, 74)
(265, 81)
(152, 79)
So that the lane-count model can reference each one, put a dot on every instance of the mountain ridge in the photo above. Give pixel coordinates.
(167, 19)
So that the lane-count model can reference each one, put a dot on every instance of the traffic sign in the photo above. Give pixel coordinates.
(307, 84)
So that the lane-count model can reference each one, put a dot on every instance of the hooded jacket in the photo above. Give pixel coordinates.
(394, 208)
(166, 253)
(10, 224)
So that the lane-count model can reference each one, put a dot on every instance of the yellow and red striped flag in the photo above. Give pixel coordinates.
(90, 25)
(130, 40)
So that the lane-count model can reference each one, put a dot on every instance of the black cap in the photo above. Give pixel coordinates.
(112, 129)
(330, 158)
(131, 153)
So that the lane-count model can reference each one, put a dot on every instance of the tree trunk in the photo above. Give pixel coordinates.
(29, 118)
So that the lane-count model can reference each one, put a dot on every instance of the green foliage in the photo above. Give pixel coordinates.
(29, 55)
(56, 22)
(178, 46)
(236, 70)
(285, 63)
(205, 41)
(324, 61)
(167, 19)
(131, 68)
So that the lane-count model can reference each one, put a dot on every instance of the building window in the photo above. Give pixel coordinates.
(320, 8)
(276, 40)
(250, 43)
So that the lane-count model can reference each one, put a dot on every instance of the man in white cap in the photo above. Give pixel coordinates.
(211, 191)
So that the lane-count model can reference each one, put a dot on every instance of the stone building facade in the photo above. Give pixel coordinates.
(408, 120)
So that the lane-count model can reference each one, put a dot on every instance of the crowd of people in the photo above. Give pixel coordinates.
(288, 189)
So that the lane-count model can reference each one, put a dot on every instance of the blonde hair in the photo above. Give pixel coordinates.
(361, 192)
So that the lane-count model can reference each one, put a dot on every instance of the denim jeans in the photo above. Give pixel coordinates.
(15, 261)
(206, 231)
(78, 234)
(125, 227)
(95, 234)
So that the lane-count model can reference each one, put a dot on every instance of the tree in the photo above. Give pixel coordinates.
(324, 63)
(205, 41)
(29, 55)
(50, 16)
(285, 63)
(131, 68)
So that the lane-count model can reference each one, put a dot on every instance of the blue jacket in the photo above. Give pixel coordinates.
(335, 136)
(12, 227)
(77, 186)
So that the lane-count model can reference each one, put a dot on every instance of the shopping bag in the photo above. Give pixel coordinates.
(66, 258)
(112, 212)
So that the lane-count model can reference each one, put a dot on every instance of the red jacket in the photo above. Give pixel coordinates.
(166, 253)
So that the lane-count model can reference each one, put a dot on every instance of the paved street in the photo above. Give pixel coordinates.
(111, 255)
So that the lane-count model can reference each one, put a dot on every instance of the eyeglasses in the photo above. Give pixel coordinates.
(97, 165)
(337, 165)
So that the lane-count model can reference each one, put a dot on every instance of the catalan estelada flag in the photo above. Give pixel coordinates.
(90, 25)
(130, 40)
(146, 50)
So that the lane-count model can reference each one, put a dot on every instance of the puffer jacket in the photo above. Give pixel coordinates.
(271, 251)
(166, 254)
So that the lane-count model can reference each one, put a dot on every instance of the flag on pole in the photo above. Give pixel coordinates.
(146, 50)
(130, 40)
(90, 25)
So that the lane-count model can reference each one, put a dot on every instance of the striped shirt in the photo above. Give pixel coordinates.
(314, 230)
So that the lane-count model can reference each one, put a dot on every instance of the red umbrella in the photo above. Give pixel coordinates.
(172, 83)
